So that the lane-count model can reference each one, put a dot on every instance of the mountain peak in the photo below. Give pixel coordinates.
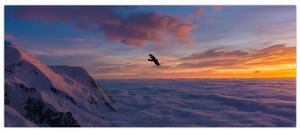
(14, 53)
(68, 93)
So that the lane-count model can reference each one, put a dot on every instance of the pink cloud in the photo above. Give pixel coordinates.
(216, 8)
(134, 29)
(199, 10)
(151, 27)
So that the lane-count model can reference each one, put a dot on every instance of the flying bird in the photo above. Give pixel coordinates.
(153, 59)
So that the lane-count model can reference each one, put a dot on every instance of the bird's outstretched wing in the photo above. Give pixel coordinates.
(153, 59)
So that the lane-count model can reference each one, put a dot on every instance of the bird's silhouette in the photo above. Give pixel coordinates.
(153, 59)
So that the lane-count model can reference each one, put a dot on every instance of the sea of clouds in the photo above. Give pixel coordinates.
(203, 102)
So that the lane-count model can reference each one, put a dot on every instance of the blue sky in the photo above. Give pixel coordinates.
(106, 40)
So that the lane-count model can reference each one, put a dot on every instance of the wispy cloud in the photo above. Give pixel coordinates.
(222, 58)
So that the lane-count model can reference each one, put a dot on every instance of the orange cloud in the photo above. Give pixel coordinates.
(267, 55)
(268, 62)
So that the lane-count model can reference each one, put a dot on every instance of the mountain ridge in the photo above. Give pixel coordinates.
(52, 96)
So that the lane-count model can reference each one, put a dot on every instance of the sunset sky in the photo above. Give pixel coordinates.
(189, 41)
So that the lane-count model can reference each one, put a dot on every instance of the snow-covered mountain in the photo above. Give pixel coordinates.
(39, 95)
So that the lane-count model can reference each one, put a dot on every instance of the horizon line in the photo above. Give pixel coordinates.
(197, 78)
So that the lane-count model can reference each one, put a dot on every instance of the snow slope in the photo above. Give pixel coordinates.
(51, 96)
(14, 119)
